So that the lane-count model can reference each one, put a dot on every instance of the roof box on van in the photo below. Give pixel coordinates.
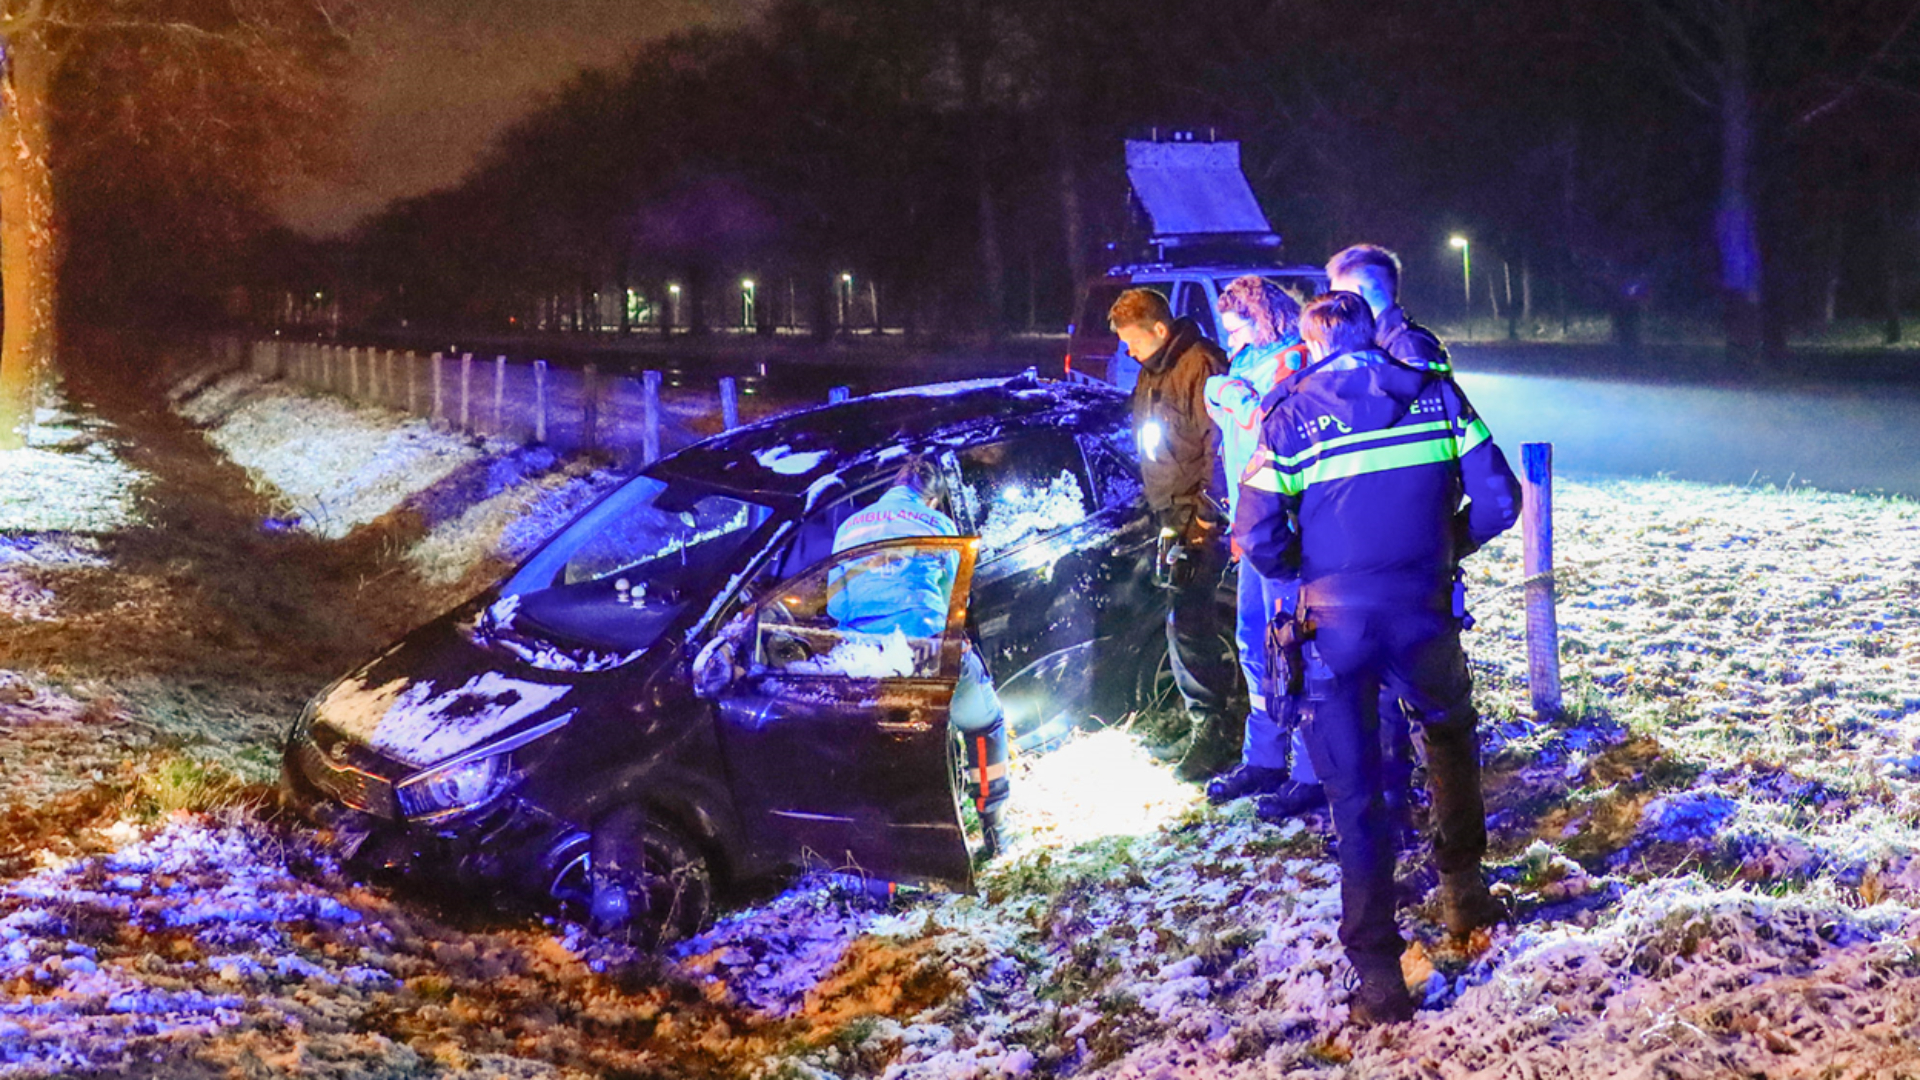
(1194, 197)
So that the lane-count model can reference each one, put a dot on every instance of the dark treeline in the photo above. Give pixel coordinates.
(1746, 160)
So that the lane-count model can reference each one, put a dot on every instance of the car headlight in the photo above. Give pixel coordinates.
(453, 788)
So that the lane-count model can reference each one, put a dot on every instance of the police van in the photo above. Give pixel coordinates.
(1204, 229)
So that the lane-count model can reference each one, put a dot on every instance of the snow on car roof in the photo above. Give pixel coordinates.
(783, 457)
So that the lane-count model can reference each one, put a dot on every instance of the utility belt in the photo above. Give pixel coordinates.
(1294, 668)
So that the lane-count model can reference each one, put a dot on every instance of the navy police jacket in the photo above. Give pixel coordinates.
(1371, 481)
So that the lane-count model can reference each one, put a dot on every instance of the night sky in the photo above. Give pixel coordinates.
(442, 77)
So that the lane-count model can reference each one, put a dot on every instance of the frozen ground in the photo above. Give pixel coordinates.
(1712, 858)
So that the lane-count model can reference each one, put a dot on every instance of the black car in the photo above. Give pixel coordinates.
(660, 702)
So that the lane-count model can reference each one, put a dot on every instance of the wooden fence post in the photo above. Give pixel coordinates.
(389, 397)
(590, 406)
(439, 392)
(353, 372)
(540, 401)
(413, 381)
(499, 395)
(1536, 528)
(466, 391)
(729, 403)
(838, 393)
(650, 419)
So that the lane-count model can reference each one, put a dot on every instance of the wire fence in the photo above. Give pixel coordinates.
(572, 410)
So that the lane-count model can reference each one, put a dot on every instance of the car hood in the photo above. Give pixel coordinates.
(437, 694)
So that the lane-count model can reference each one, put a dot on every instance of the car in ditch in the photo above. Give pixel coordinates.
(658, 705)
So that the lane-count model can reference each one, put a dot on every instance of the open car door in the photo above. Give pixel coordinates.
(835, 727)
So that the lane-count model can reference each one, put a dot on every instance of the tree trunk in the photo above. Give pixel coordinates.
(625, 290)
(1834, 258)
(975, 48)
(1889, 259)
(1735, 228)
(28, 248)
(1072, 214)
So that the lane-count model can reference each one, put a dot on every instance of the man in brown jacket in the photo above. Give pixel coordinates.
(1179, 452)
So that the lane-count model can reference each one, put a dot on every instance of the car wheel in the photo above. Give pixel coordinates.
(647, 884)
(1154, 688)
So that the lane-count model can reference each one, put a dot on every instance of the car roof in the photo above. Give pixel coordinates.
(783, 459)
(1209, 270)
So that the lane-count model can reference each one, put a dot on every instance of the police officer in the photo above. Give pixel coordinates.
(1373, 273)
(1179, 452)
(1359, 482)
(912, 595)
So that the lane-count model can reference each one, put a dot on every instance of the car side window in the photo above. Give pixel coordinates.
(1194, 303)
(1020, 490)
(878, 614)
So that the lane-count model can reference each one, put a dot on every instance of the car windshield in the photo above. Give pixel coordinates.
(621, 573)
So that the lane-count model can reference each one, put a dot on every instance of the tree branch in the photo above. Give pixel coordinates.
(1860, 79)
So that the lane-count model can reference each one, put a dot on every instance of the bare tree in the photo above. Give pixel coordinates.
(1765, 70)
(227, 90)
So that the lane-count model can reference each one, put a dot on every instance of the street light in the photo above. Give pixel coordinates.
(846, 298)
(746, 302)
(673, 305)
(1466, 266)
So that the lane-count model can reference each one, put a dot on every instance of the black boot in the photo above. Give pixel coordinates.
(1291, 801)
(1465, 903)
(1245, 780)
(1171, 751)
(1214, 749)
(1381, 997)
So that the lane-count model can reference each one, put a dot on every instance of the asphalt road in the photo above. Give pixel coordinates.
(1836, 437)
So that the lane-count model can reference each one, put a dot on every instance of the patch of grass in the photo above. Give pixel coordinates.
(176, 783)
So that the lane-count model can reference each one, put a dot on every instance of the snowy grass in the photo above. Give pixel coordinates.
(335, 466)
(69, 479)
(1713, 857)
(59, 496)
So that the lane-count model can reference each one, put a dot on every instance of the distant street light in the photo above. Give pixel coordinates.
(846, 298)
(746, 302)
(1466, 266)
(673, 306)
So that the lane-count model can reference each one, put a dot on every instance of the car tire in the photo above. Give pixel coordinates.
(650, 886)
(1154, 688)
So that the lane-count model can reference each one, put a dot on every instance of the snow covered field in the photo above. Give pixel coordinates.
(1712, 857)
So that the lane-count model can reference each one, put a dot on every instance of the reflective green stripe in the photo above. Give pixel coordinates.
(1361, 462)
(1364, 436)
(1267, 479)
(1476, 434)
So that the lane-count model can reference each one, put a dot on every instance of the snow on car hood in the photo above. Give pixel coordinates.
(426, 721)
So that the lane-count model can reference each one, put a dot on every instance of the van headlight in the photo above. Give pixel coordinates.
(453, 788)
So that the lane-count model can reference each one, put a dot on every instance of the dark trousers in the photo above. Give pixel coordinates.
(1416, 656)
(1203, 666)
